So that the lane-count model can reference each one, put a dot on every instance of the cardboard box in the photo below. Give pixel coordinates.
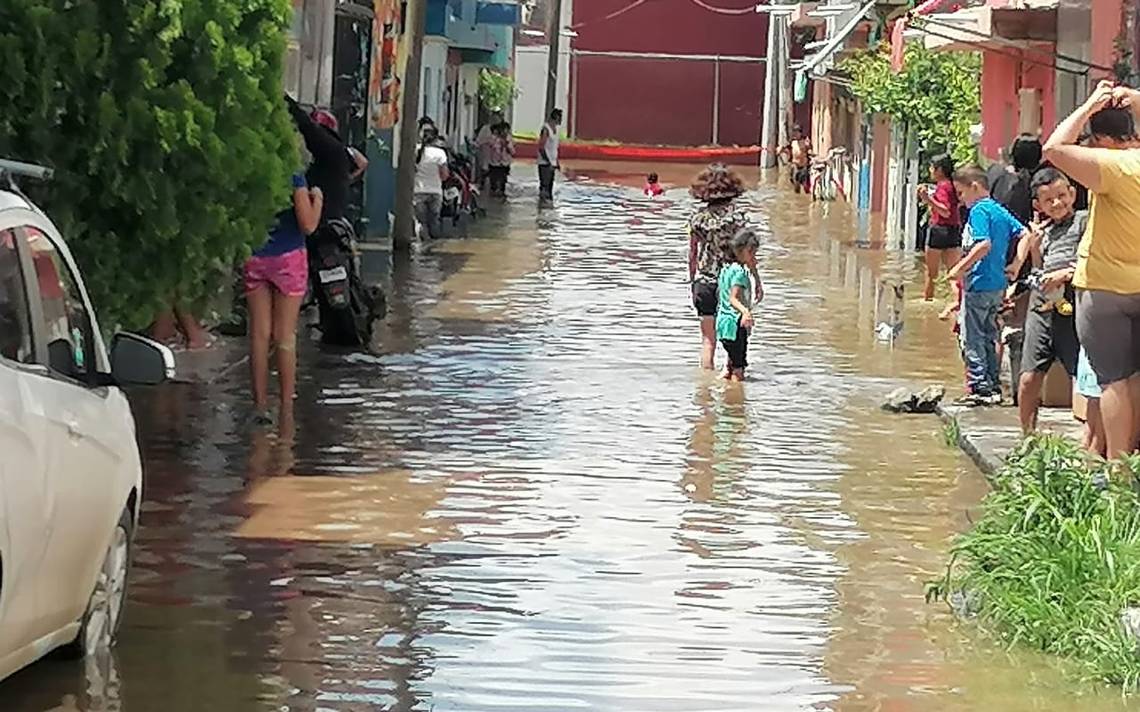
(1080, 407)
(1058, 389)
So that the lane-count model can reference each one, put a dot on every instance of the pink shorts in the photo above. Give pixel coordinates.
(288, 273)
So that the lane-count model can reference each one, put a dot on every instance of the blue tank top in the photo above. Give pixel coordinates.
(285, 235)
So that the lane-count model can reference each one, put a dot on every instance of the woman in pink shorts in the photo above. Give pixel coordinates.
(276, 277)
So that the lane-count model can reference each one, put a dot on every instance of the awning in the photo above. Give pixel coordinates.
(497, 13)
(816, 64)
(985, 27)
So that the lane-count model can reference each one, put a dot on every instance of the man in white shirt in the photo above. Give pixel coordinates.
(548, 158)
(431, 172)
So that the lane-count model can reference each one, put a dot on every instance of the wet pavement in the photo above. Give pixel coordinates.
(530, 499)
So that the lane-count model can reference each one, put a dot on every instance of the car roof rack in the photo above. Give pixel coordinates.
(9, 170)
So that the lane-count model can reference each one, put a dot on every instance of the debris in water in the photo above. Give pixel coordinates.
(903, 400)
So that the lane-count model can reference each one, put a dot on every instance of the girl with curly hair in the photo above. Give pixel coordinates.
(710, 230)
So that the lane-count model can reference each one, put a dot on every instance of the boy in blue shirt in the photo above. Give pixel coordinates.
(989, 232)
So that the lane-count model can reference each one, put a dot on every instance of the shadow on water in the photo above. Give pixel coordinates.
(527, 498)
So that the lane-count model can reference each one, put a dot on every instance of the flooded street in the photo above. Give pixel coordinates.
(531, 499)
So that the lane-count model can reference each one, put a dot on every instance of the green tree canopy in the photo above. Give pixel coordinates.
(165, 123)
(938, 93)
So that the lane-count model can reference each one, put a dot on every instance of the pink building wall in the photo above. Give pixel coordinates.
(1105, 23)
(1003, 75)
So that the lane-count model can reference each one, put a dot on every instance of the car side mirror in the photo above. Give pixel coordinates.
(137, 360)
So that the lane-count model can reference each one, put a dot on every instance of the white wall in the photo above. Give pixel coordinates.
(434, 80)
(469, 111)
(530, 79)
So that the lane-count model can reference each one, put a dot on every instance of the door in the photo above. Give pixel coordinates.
(85, 429)
(24, 508)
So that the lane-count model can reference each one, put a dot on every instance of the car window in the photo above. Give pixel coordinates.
(15, 326)
(67, 326)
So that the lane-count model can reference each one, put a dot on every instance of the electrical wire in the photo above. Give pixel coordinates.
(612, 15)
(725, 10)
(636, 3)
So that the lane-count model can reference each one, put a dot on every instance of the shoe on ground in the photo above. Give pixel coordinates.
(970, 400)
(991, 399)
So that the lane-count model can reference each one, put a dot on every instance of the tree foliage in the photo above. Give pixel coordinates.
(165, 124)
(938, 93)
(496, 90)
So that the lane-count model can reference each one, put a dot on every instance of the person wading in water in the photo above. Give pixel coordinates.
(710, 230)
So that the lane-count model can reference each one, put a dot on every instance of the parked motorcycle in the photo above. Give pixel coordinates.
(460, 193)
(346, 306)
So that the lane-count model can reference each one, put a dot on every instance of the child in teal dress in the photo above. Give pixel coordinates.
(734, 301)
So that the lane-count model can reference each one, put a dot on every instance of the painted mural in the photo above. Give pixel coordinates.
(384, 89)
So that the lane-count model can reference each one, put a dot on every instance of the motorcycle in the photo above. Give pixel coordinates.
(460, 194)
(346, 306)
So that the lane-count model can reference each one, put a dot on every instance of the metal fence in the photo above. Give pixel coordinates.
(673, 89)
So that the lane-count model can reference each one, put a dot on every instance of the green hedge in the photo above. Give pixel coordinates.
(165, 122)
(1054, 561)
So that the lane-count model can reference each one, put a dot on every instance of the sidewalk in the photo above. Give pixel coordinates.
(988, 435)
(223, 359)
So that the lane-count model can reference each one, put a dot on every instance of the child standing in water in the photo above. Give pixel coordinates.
(734, 302)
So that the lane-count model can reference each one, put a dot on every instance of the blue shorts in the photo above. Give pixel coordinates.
(1087, 384)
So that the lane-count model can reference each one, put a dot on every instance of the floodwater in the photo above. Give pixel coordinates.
(530, 499)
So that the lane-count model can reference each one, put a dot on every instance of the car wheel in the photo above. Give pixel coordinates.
(101, 621)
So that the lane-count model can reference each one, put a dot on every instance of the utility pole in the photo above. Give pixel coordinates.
(404, 225)
(555, 35)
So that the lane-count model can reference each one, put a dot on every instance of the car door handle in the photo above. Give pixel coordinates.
(73, 429)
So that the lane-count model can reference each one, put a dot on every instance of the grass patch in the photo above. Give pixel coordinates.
(1054, 561)
(952, 432)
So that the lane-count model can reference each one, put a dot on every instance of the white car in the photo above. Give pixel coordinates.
(70, 475)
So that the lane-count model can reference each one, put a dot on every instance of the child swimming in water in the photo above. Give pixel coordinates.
(652, 187)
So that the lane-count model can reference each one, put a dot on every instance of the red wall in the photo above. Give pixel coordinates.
(656, 101)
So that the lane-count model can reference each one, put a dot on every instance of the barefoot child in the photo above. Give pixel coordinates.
(734, 303)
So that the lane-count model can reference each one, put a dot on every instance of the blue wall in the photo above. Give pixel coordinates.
(380, 183)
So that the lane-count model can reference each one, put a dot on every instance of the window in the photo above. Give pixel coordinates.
(15, 325)
(67, 326)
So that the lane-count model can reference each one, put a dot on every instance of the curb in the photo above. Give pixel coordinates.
(988, 464)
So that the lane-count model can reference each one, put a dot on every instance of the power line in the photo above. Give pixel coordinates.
(637, 3)
(725, 10)
(610, 16)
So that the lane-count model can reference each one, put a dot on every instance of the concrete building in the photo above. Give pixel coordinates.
(670, 72)
(461, 38)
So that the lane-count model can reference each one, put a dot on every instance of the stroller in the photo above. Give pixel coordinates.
(460, 193)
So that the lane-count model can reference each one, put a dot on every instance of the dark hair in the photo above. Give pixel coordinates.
(652, 178)
(717, 184)
(1046, 176)
(556, 114)
(1114, 122)
(944, 163)
(425, 121)
(972, 174)
(744, 238)
(1025, 153)
(430, 133)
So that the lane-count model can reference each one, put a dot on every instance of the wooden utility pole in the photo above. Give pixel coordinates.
(555, 35)
(404, 225)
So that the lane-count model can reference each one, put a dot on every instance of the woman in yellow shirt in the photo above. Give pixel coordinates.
(1108, 259)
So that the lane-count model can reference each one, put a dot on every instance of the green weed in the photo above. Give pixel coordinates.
(1055, 559)
(952, 432)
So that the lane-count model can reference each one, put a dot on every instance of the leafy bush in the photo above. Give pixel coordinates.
(938, 93)
(1055, 559)
(496, 90)
(165, 123)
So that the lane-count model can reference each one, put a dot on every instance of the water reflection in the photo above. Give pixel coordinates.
(528, 498)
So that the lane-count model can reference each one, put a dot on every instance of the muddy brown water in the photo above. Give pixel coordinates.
(531, 500)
